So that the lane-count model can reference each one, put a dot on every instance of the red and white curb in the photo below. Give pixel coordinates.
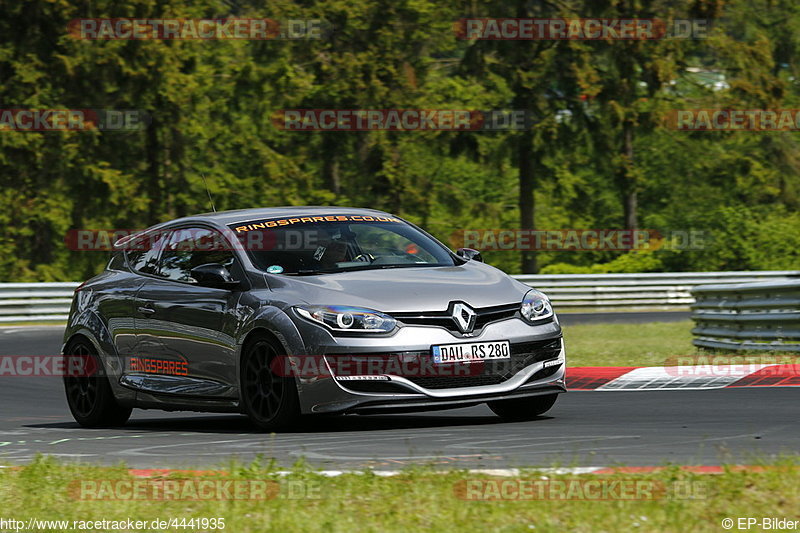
(613, 378)
(498, 472)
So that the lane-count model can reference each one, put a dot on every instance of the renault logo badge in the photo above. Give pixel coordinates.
(464, 316)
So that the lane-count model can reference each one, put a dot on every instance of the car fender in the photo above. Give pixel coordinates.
(87, 323)
(274, 320)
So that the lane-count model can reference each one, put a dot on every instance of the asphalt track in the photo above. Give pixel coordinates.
(583, 429)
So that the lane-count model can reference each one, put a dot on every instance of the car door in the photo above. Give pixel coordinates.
(137, 258)
(185, 333)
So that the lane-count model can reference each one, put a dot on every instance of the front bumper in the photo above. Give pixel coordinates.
(540, 371)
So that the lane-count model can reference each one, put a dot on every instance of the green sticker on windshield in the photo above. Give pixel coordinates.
(274, 269)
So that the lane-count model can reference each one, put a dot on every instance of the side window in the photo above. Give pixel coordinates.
(379, 241)
(142, 252)
(191, 247)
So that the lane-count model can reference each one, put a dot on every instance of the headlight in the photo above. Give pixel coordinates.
(352, 319)
(535, 306)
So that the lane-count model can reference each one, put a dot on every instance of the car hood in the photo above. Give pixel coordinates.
(404, 289)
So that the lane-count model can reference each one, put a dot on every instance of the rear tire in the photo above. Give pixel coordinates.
(90, 398)
(269, 400)
(523, 408)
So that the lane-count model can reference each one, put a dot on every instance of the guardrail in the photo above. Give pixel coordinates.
(36, 302)
(661, 290)
(49, 302)
(748, 316)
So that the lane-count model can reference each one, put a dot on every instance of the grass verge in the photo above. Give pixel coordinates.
(417, 499)
(653, 344)
(648, 344)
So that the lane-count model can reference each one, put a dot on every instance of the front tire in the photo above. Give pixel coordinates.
(90, 397)
(269, 400)
(522, 409)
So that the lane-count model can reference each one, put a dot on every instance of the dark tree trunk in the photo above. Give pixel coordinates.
(630, 197)
(330, 165)
(526, 199)
(154, 191)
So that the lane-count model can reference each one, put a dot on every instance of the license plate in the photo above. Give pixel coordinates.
(468, 352)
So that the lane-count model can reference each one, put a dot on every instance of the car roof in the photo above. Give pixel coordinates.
(247, 215)
(243, 216)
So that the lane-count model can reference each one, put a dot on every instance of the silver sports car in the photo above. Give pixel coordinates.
(283, 312)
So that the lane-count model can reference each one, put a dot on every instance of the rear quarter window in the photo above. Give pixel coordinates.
(143, 252)
(117, 261)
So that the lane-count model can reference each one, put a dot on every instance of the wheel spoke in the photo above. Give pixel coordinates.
(82, 391)
(262, 387)
(272, 407)
(261, 401)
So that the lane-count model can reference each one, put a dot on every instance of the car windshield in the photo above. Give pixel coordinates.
(338, 243)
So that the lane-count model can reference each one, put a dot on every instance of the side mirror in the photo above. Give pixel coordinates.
(469, 254)
(215, 276)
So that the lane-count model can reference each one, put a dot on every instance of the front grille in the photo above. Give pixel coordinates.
(450, 382)
(443, 319)
(418, 368)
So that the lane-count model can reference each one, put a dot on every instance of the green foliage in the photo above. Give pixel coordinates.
(635, 261)
(212, 105)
